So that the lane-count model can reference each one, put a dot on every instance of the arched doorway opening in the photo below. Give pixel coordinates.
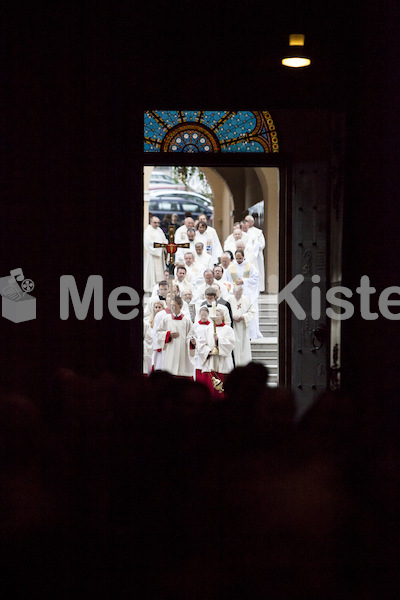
(236, 192)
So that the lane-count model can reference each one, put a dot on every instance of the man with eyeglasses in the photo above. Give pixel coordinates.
(154, 264)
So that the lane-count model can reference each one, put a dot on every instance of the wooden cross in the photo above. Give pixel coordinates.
(171, 249)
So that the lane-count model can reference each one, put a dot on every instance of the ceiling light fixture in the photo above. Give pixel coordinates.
(296, 56)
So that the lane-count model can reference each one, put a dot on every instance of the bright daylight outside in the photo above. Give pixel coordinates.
(210, 271)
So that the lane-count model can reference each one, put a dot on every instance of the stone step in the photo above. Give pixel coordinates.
(268, 331)
(272, 369)
(268, 359)
(264, 351)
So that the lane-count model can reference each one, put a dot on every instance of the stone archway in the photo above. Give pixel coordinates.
(235, 190)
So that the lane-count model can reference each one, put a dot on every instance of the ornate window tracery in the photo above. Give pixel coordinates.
(209, 131)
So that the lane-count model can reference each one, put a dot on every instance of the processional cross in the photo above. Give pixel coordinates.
(171, 249)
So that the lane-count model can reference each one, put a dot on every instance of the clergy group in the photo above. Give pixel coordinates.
(200, 316)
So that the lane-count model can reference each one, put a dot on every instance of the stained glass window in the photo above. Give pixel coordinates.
(209, 131)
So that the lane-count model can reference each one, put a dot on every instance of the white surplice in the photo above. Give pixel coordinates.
(204, 260)
(258, 241)
(222, 362)
(249, 274)
(178, 357)
(198, 330)
(154, 265)
(157, 349)
(242, 308)
(212, 245)
(147, 347)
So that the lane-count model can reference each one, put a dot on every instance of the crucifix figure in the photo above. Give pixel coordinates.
(171, 249)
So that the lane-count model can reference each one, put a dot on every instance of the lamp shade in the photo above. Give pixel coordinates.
(296, 56)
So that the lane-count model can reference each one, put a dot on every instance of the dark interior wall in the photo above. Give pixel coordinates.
(76, 82)
(67, 203)
(372, 209)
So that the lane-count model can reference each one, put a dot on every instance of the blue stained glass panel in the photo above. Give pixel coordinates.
(153, 129)
(237, 125)
(151, 147)
(191, 115)
(244, 147)
(209, 131)
(169, 117)
(211, 117)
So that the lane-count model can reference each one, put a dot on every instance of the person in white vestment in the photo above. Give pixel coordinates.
(223, 300)
(147, 347)
(199, 326)
(248, 251)
(212, 245)
(241, 272)
(203, 259)
(243, 313)
(258, 240)
(220, 277)
(188, 306)
(177, 340)
(180, 279)
(157, 349)
(211, 295)
(213, 233)
(156, 306)
(191, 238)
(194, 272)
(230, 237)
(181, 236)
(226, 260)
(216, 365)
(230, 242)
(208, 280)
(154, 265)
(159, 292)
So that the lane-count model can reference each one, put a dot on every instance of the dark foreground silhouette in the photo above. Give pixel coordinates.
(148, 488)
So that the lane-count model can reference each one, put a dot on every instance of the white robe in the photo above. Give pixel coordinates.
(222, 307)
(147, 347)
(222, 362)
(213, 232)
(248, 249)
(258, 240)
(157, 348)
(212, 245)
(199, 297)
(178, 358)
(198, 330)
(194, 274)
(184, 285)
(154, 265)
(181, 235)
(180, 253)
(230, 237)
(242, 308)
(224, 288)
(204, 260)
(148, 309)
(249, 274)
